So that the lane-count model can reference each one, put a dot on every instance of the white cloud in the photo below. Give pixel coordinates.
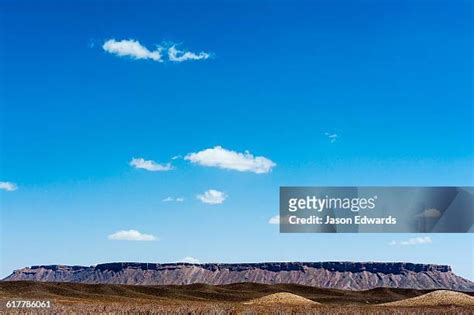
(190, 260)
(413, 241)
(430, 213)
(131, 235)
(150, 165)
(8, 186)
(274, 220)
(177, 55)
(212, 197)
(227, 159)
(331, 136)
(131, 48)
(177, 199)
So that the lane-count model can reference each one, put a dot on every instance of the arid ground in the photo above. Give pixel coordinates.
(242, 298)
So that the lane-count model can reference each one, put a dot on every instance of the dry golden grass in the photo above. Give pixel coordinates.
(239, 308)
(282, 298)
(436, 298)
(197, 299)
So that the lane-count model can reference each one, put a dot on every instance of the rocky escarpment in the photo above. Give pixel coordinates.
(340, 275)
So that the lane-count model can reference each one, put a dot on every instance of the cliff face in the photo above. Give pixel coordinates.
(340, 275)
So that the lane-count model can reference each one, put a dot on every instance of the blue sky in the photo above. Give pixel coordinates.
(391, 80)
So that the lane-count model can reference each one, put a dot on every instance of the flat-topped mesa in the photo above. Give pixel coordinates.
(378, 267)
(339, 275)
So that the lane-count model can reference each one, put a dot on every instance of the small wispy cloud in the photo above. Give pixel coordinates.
(171, 199)
(177, 55)
(227, 159)
(331, 136)
(413, 241)
(212, 197)
(150, 165)
(190, 260)
(134, 49)
(274, 220)
(8, 186)
(131, 235)
(430, 213)
(131, 48)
